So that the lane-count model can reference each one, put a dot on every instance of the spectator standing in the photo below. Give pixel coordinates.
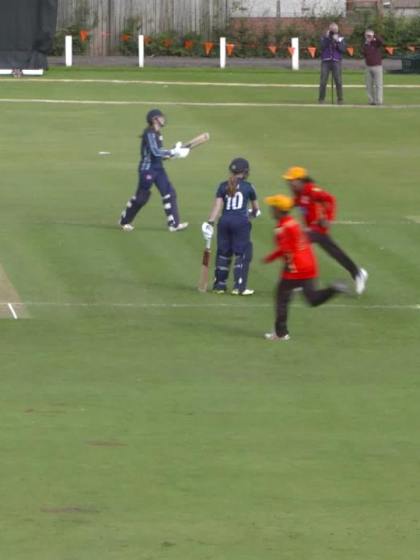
(374, 72)
(333, 47)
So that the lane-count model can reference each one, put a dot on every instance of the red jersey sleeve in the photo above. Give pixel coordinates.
(327, 200)
(293, 246)
(286, 239)
(278, 251)
(277, 254)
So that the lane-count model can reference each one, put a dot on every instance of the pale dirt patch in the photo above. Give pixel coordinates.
(415, 219)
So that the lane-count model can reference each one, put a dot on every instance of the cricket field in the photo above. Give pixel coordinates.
(143, 420)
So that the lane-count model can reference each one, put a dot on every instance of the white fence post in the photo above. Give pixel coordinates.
(69, 50)
(141, 51)
(222, 52)
(295, 53)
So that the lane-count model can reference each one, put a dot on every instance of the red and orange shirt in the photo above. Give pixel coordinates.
(294, 247)
(318, 207)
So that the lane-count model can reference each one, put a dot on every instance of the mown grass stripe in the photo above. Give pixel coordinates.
(205, 104)
(218, 304)
(199, 84)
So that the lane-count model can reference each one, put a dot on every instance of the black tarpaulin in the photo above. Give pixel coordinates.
(27, 29)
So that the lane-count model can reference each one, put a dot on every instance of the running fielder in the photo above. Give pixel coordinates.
(300, 267)
(318, 210)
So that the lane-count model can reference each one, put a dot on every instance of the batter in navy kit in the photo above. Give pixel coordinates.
(151, 172)
(234, 228)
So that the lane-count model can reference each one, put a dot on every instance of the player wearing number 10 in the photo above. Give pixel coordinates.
(234, 228)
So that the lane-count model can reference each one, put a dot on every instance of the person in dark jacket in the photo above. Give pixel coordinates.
(151, 171)
(332, 49)
(371, 50)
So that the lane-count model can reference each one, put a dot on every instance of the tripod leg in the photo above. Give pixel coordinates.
(332, 87)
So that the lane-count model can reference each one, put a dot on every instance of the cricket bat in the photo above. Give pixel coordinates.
(197, 141)
(203, 282)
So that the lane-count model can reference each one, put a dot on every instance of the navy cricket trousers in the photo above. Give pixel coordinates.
(146, 180)
(233, 239)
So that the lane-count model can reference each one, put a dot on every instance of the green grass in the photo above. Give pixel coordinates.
(143, 420)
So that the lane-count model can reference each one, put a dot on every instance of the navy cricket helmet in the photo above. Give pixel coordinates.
(153, 114)
(239, 165)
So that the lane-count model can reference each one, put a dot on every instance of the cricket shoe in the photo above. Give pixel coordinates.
(246, 292)
(126, 227)
(219, 291)
(273, 336)
(360, 281)
(179, 227)
(341, 288)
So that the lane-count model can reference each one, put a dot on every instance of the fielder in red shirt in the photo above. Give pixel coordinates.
(300, 266)
(318, 208)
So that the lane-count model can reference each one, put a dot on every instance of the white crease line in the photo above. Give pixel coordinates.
(186, 83)
(205, 104)
(408, 222)
(415, 306)
(12, 311)
(359, 223)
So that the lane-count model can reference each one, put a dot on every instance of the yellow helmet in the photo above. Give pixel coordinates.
(295, 173)
(280, 201)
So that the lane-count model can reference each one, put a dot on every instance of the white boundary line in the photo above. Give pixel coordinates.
(205, 84)
(204, 104)
(216, 305)
(12, 311)
(410, 221)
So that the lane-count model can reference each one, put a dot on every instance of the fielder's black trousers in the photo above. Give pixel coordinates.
(284, 294)
(330, 247)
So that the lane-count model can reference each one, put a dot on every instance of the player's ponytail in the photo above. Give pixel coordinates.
(232, 184)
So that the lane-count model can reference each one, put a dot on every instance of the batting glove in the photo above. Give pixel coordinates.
(176, 150)
(254, 214)
(183, 152)
(207, 230)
